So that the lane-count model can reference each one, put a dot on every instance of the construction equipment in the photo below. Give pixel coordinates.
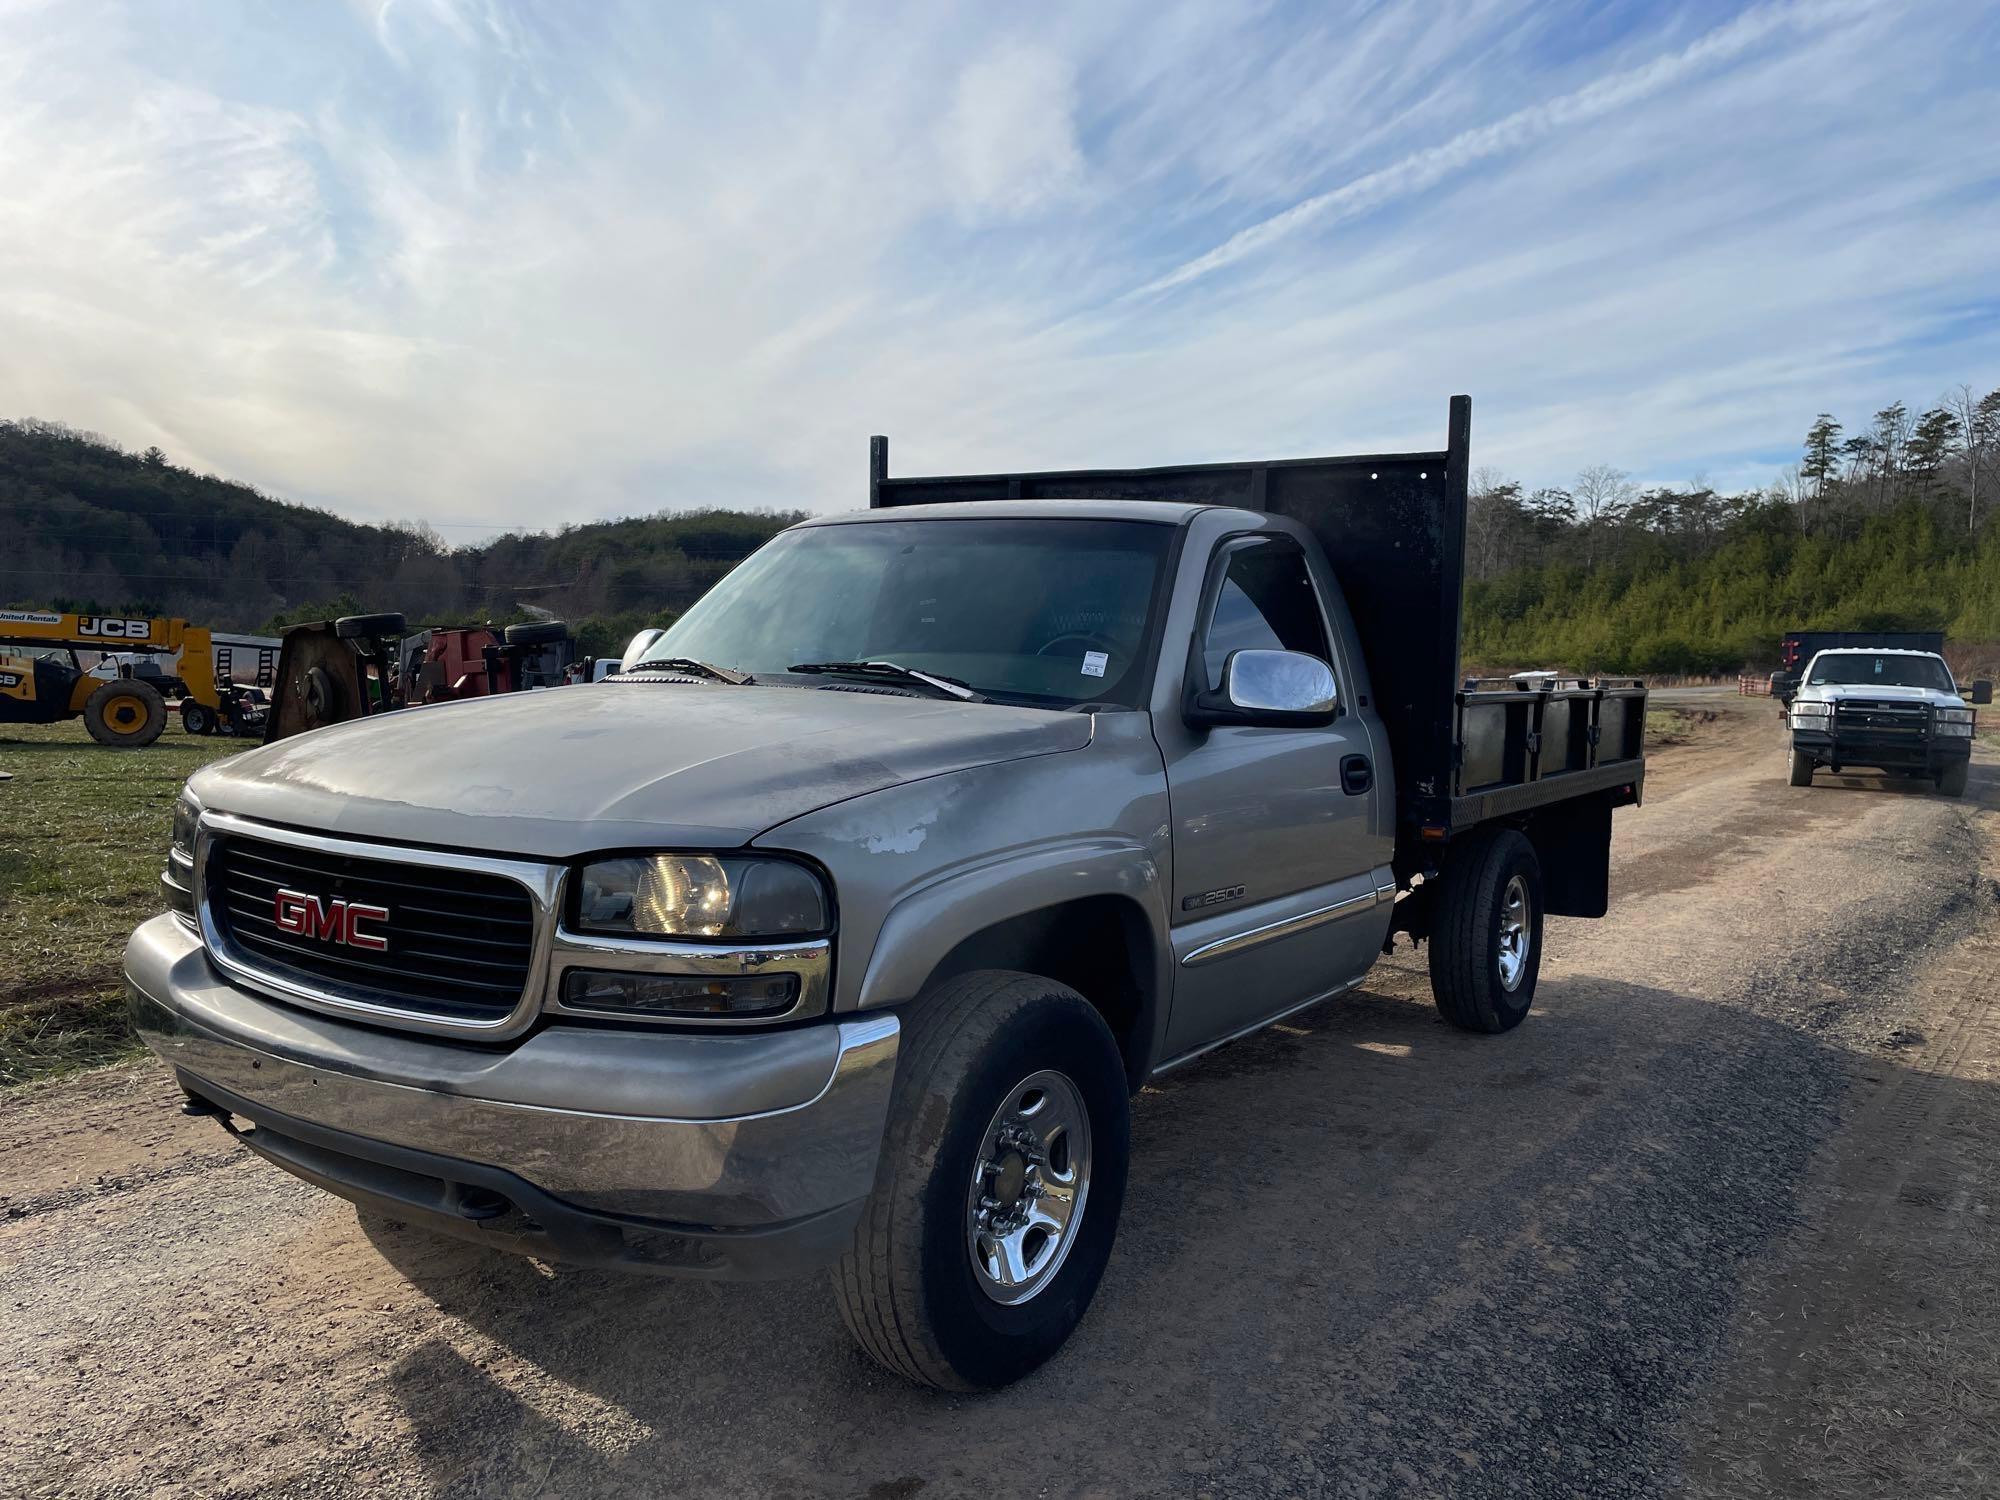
(42, 680)
(334, 670)
(330, 671)
(477, 661)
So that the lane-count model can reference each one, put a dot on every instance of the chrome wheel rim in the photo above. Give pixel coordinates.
(1517, 936)
(1029, 1182)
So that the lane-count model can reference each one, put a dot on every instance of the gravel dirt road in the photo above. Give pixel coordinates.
(1718, 1219)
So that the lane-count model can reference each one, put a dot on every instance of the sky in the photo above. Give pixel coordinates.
(492, 265)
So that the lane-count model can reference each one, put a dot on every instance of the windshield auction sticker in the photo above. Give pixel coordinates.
(1093, 663)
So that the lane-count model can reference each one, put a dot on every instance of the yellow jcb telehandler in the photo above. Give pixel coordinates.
(42, 681)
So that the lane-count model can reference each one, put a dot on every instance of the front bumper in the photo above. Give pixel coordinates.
(1883, 752)
(724, 1155)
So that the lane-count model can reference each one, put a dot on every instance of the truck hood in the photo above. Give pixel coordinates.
(568, 771)
(1841, 691)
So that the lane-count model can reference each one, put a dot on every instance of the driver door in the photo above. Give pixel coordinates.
(1280, 859)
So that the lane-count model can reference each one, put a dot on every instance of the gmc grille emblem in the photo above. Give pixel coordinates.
(329, 920)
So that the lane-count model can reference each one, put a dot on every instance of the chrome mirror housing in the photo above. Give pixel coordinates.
(637, 647)
(1269, 687)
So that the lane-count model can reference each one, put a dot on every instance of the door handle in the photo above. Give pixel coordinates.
(1356, 775)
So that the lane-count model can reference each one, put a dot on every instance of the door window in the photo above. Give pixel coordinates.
(1266, 603)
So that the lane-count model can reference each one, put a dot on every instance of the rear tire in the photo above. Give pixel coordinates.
(370, 627)
(536, 633)
(1802, 768)
(1486, 937)
(126, 715)
(1951, 780)
(920, 1289)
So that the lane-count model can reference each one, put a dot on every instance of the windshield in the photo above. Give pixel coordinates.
(1871, 669)
(1035, 611)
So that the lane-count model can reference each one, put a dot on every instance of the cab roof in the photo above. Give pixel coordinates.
(1158, 512)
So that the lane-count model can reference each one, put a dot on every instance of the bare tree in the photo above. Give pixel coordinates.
(1601, 497)
(1979, 442)
(1601, 494)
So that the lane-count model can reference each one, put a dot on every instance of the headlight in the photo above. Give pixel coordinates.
(177, 880)
(1810, 715)
(187, 814)
(1955, 721)
(701, 896)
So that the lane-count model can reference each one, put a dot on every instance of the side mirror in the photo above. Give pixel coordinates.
(637, 647)
(1784, 684)
(1269, 688)
(1982, 690)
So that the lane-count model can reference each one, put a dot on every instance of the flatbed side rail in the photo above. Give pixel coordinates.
(1519, 748)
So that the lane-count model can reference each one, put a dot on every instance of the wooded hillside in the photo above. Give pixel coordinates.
(1893, 526)
(90, 526)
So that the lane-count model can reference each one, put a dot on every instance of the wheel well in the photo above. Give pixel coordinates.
(1572, 843)
(1100, 946)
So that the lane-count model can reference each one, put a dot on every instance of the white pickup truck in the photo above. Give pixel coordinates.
(1883, 710)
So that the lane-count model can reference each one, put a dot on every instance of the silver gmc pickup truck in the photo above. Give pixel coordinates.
(839, 930)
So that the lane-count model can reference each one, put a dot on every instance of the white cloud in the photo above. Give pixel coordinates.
(1009, 144)
(454, 261)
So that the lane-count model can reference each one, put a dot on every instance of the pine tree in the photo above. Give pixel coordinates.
(1822, 453)
(1931, 443)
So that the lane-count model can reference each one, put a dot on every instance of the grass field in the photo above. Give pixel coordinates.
(83, 834)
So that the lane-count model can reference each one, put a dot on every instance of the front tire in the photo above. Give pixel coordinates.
(1951, 780)
(1001, 1180)
(125, 714)
(1802, 768)
(1486, 939)
(197, 718)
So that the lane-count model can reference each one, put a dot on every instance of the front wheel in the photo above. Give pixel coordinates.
(1802, 768)
(197, 718)
(125, 713)
(1951, 780)
(1486, 939)
(1002, 1176)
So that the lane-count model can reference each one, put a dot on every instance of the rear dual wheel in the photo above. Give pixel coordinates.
(126, 714)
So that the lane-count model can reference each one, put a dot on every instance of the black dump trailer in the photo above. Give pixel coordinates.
(1553, 759)
(1800, 646)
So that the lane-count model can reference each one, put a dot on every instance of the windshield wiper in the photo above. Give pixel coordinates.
(699, 668)
(948, 685)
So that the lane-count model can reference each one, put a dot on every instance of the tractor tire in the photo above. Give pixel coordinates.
(537, 633)
(1486, 935)
(1001, 1177)
(126, 714)
(197, 718)
(1802, 768)
(1951, 780)
(370, 627)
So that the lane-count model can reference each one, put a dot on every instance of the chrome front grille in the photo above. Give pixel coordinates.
(1886, 718)
(453, 941)
(418, 938)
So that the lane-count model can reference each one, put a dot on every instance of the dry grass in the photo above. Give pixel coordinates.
(83, 833)
(1675, 726)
